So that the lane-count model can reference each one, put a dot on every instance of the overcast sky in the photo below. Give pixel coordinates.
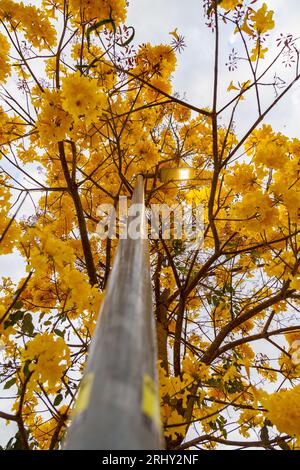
(153, 20)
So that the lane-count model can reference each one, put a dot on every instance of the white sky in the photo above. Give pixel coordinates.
(153, 20)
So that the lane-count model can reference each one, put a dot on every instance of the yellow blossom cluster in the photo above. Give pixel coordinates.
(262, 22)
(4, 61)
(241, 178)
(43, 431)
(10, 126)
(250, 419)
(268, 148)
(103, 71)
(93, 10)
(49, 357)
(284, 410)
(54, 123)
(289, 361)
(82, 98)
(171, 389)
(32, 21)
(50, 255)
(255, 213)
(96, 118)
(8, 242)
(174, 388)
(157, 60)
(255, 23)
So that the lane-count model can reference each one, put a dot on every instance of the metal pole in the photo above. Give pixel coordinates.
(118, 406)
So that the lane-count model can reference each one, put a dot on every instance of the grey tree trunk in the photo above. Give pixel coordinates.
(118, 405)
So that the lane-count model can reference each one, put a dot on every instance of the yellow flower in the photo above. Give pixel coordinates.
(258, 52)
(175, 34)
(82, 97)
(230, 4)
(242, 178)
(284, 410)
(9, 241)
(289, 367)
(172, 417)
(245, 27)
(232, 86)
(296, 353)
(194, 369)
(43, 431)
(53, 122)
(263, 19)
(4, 60)
(257, 211)
(49, 356)
(84, 10)
(231, 374)
(159, 61)
(182, 113)
(249, 419)
(32, 21)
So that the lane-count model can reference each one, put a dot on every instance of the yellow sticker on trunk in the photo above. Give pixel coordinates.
(150, 402)
(84, 393)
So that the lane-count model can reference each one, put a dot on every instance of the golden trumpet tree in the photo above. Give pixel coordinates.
(95, 111)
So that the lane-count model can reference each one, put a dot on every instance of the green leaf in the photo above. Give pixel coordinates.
(213, 425)
(28, 326)
(19, 304)
(229, 289)
(13, 318)
(222, 420)
(182, 269)
(58, 399)
(42, 315)
(18, 315)
(26, 370)
(215, 300)
(59, 333)
(9, 383)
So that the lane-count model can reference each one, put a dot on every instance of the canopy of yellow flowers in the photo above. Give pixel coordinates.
(93, 122)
